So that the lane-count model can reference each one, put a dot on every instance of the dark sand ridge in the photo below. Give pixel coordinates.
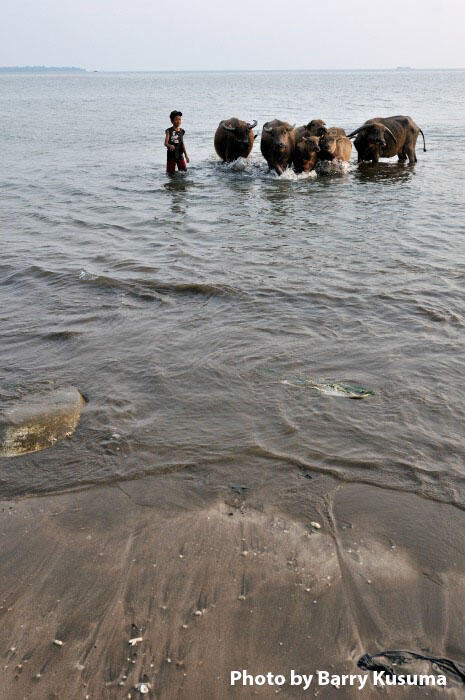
(96, 567)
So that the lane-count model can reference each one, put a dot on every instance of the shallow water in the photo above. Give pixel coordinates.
(180, 306)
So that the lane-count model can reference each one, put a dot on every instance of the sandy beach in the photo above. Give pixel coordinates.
(213, 576)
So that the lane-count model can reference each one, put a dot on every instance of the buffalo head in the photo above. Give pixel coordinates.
(373, 134)
(278, 134)
(317, 127)
(277, 144)
(240, 130)
(328, 145)
(306, 153)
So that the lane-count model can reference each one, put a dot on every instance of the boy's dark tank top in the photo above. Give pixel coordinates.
(175, 139)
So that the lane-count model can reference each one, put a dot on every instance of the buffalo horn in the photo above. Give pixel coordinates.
(228, 128)
(268, 129)
(354, 133)
(253, 125)
(390, 132)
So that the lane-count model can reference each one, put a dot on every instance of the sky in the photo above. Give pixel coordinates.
(233, 34)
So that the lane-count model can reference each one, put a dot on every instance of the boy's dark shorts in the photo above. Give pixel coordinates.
(171, 164)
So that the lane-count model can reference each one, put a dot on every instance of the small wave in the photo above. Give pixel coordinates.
(61, 335)
(439, 315)
(159, 291)
(98, 226)
(142, 289)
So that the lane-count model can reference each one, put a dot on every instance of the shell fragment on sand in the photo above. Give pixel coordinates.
(39, 421)
(135, 640)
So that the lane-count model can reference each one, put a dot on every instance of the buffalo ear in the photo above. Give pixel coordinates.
(291, 128)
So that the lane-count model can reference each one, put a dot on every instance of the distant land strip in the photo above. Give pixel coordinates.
(41, 69)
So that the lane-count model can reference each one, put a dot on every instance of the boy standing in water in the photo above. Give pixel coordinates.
(174, 142)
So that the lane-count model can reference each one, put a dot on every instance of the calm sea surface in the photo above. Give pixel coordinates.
(180, 306)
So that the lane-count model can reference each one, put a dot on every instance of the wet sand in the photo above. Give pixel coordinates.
(215, 577)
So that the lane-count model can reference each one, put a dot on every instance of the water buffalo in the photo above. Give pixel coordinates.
(335, 145)
(306, 149)
(277, 144)
(384, 137)
(234, 139)
(317, 127)
(336, 131)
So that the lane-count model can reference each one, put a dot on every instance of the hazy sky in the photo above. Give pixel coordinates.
(233, 34)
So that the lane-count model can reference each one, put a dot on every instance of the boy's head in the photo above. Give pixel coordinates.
(176, 118)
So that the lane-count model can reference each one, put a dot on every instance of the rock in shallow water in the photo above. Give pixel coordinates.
(39, 421)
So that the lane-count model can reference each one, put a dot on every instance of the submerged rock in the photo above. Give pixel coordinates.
(39, 421)
(348, 391)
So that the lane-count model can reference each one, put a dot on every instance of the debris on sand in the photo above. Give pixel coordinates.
(135, 640)
(58, 642)
(237, 488)
(143, 688)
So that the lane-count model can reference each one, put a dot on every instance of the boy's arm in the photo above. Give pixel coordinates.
(167, 137)
(185, 152)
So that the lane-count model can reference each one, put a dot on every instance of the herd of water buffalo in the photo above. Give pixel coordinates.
(284, 145)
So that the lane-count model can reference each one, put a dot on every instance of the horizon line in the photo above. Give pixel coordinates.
(79, 69)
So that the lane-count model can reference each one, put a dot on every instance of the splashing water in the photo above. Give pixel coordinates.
(289, 174)
(256, 167)
(239, 164)
(333, 167)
